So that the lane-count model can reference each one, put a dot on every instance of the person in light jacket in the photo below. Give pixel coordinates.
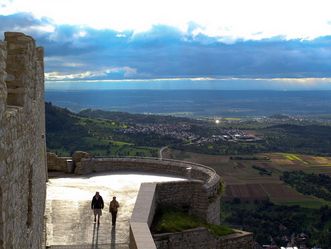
(113, 208)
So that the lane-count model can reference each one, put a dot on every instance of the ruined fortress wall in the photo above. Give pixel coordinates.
(200, 237)
(180, 194)
(22, 143)
(153, 165)
(186, 195)
(55, 163)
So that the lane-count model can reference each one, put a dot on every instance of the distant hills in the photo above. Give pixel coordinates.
(124, 134)
(68, 132)
(196, 103)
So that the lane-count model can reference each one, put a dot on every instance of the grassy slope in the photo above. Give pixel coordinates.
(175, 221)
(67, 132)
(308, 136)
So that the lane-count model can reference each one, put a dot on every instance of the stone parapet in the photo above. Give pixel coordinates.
(178, 194)
(199, 197)
(142, 217)
(62, 164)
(154, 165)
(198, 238)
(240, 239)
(201, 238)
(189, 196)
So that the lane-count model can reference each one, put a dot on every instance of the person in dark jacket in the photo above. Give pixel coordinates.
(97, 206)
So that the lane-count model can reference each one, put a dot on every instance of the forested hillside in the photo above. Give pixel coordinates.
(104, 133)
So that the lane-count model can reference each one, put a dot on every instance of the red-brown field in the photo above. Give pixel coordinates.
(249, 192)
(282, 192)
(274, 191)
(244, 179)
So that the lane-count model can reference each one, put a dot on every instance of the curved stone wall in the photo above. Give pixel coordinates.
(199, 196)
(153, 165)
(201, 238)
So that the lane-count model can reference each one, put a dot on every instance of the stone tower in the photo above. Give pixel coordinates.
(22, 143)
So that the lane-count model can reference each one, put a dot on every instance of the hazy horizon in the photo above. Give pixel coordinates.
(196, 103)
(194, 83)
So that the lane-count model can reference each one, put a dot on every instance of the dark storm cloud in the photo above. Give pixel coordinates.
(165, 51)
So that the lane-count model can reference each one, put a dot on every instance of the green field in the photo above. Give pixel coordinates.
(247, 173)
(314, 203)
(294, 157)
(175, 221)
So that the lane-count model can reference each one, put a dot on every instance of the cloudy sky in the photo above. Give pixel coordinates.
(154, 39)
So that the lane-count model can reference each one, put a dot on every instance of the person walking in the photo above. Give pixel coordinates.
(113, 208)
(97, 206)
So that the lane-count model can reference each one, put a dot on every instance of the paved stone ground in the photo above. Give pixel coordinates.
(69, 218)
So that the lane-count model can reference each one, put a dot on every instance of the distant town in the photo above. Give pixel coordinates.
(183, 132)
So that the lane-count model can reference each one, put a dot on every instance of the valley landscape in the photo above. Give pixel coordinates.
(258, 159)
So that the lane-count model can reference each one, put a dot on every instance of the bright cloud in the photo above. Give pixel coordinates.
(309, 82)
(91, 75)
(182, 40)
(228, 20)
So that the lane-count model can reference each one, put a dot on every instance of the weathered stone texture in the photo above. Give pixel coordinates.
(201, 238)
(198, 238)
(188, 196)
(214, 210)
(185, 194)
(240, 239)
(153, 165)
(3, 88)
(79, 155)
(62, 164)
(22, 143)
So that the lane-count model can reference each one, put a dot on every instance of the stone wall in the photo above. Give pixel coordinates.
(3, 88)
(22, 144)
(200, 238)
(240, 239)
(62, 164)
(188, 195)
(214, 210)
(154, 165)
(199, 197)
(142, 217)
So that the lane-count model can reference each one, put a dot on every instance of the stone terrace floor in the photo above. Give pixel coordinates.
(69, 218)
